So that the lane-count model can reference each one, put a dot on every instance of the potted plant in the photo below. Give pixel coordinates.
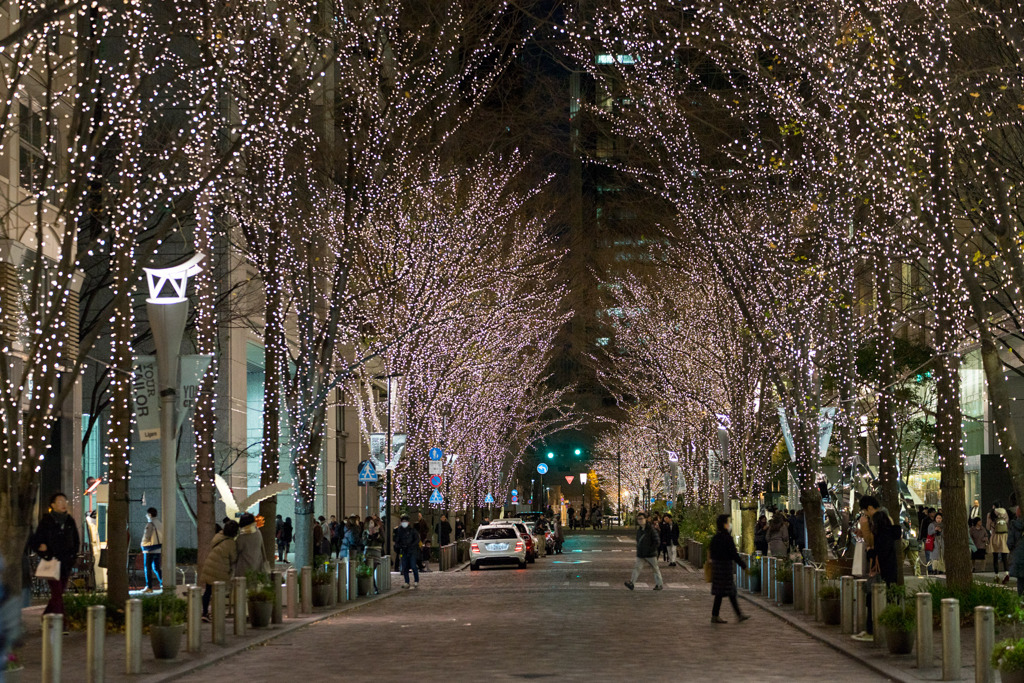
(831, 612)
(14, 668)
(784, 583)
(754, 575)
(166, 632)
(898, 620)
(260, 594)
(364, 577)
(321, 586)
(1008, 657)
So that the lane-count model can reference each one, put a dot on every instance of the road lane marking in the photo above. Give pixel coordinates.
(602, 584)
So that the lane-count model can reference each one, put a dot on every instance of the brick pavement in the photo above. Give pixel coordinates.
(566, 617)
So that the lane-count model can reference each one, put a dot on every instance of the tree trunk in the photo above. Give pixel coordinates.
(204, 419)
(275, 350)
(805, 441)
(748, 520)
(888, 451)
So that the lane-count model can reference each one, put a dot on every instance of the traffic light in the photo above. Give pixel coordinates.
(550, 455)
(579, 452)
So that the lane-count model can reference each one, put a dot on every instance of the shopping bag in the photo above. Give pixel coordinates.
(860, 555)
(48, 569)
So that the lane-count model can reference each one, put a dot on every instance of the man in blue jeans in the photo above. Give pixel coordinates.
(407, 543)
(151, 551)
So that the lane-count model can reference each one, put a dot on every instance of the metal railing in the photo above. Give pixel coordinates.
(448, 558)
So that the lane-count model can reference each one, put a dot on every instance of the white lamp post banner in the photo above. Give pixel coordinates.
(147, 397)
(378, 444)
(192, 369)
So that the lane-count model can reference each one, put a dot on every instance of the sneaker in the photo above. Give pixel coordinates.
(671, 564)
(863, 637)
(718, 620)
(206, 619)
(629, 585)
(743, 617)
(415, 586)
(658, 587)
(405, 586)
(1006, 579)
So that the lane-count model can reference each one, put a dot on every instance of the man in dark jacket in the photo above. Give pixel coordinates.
(407, 542)
(444, 531)
(883, 558)
(56, 537)
(670, 537)
(647, 543)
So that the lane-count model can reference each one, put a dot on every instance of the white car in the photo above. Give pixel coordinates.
(497, 544)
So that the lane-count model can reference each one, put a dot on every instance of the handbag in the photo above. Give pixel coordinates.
(48, 569)
(929, 544)
(860, 555)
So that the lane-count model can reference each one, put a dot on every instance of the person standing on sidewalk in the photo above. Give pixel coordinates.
(723, 555)
(220, 562)
(56, 537)
(883, 559)
(672, 539)
(407, 543)
(1016, 545)
(647, 543)
(999, 526)
(151, 551)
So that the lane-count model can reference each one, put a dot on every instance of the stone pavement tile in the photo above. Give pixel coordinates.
(546, 621)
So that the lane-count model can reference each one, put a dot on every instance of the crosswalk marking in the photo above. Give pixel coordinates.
(602, 584)
(640, 584)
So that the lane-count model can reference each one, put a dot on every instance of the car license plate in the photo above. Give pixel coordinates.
(497, 546)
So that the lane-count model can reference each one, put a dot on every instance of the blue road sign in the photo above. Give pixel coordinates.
(515, 500)
(436, 498)
(435, 480)
(367, 472)
(515, 492)
(435, 453)
(542, 468)
(489, 498)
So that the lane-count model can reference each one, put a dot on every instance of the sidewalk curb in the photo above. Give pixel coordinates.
(837, 644)
(237, 648)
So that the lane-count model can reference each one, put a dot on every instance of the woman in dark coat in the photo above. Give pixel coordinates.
(723, 575)
(57, 537)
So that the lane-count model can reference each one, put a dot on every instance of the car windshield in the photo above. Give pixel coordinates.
(495, 533)
(522, 528)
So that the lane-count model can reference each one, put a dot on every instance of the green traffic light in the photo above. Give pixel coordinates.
(551, 455)
(579, 452)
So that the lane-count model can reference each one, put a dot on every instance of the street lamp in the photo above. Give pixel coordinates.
(168, 313)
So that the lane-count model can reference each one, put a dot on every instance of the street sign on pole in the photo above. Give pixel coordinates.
(367, 472)
(489, 499)
(435, 467)
(583, 477)
(435, 453)
(515, 492)
(435, 480)
(436, 498)
(569, 478)
(542, 468)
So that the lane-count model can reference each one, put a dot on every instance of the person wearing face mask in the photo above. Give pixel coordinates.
(647, 543)
(407, 542)
(57, 537)
(723, 554)
(151, 551)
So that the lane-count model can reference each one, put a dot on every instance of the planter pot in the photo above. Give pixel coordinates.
(784, 592)
(15, 675)
(321, 595)
(754, 583)
(831, 611)
(260, 613)
(365, 584)
(900, 642)
(1004, 676)
(707, 572)
(166, 640)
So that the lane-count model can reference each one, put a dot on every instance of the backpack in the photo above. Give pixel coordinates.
(1001, 526)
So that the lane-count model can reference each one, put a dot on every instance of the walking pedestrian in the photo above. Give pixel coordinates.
(56, 538)
(572, 517)
(284, 543)
(998, 525)
(882, 538)
(407, 542)
(647, 543)
(423, 529)
(673, 538)
(761, 535)
(444, 531)
(723, 554)
(664, 528)
(938, 559)
(318, 535)
(980, 538)
(249, 544)
(337, 533)
(151, 551)
(778, 535)
(220, 562)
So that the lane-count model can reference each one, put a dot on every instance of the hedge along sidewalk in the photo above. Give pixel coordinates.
(894, 667)
(159, 671)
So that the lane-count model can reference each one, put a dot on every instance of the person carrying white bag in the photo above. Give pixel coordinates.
(56, 541)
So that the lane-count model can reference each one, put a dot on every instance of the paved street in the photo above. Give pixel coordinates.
(566, 617)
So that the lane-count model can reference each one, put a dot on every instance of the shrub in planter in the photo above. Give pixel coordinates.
(1008, 657)
(899, 621)
(754, 576)
(321, 586)
(260, 596)
(166, 631)
(364, 577)
(831, 608)
(784, 584)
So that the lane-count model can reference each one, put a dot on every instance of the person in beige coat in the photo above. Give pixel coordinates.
(998, 525)
(220, 562)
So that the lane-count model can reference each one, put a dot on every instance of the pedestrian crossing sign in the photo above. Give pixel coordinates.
(367, 472)
(489, 498)
(436, 498)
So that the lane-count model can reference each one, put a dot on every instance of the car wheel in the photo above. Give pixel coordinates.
(473, 567)
(522, 564)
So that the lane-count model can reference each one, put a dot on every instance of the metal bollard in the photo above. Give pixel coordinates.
(353, 586)
(276, 579)
(739, 571)
(95, 635)
(292, 583)
(343, 580)
(332, 573)
(984, 643)
(53, 632)
(860, 595)
(847, 604)
(218, 613)
(798, 586)
(386, 573)
(238, 598)
(809, 590)
(950, 639)
(877, 607)
(819, 581)
(764, 575)
(133, 636)
(925, 640)
(772, 566)
(193, 634)
(306, 591)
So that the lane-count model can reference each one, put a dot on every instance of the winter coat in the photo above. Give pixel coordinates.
(761, 538)
(980, 538)
(647, 540)
(220, 561)
(885, 536)
(60, 535)
(407, 540)
(250, 550)
(664, 531)
(778, 541)
(1016, 544)
(999, 540)
(444, 532)
(286, 532)
(152, 537)
(318, 538)
(723, 554)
